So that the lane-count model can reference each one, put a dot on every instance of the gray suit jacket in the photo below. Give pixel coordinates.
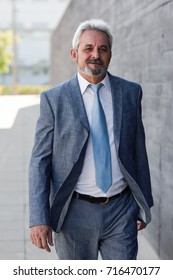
(62, 133)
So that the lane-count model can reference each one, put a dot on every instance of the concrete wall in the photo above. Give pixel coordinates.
(143, 52)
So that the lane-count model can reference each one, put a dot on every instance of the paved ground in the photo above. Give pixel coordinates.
(18, 116)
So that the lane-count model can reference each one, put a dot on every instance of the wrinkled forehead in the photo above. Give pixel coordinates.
(93, 37)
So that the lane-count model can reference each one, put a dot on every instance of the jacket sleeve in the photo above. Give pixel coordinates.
(141, 159)
(40, 166)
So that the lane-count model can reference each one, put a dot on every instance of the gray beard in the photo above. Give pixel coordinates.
(93, 73)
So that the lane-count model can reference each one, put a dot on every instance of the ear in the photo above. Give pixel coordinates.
(74, 55)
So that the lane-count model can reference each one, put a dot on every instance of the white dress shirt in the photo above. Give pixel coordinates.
(86, 183)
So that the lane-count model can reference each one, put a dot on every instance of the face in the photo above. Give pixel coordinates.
(93, 55)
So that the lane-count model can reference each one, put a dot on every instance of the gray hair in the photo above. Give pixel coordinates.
(93, 24)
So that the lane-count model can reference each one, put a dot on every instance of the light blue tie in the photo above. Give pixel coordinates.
(101, 147)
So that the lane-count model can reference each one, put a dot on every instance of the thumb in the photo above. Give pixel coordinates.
(50, 239)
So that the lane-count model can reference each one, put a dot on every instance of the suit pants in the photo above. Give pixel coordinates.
(90, 228)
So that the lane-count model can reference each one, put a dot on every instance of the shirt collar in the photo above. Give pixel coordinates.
(83, 83)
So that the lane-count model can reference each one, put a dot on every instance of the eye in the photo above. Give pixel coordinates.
(103, 49)
(88, 49)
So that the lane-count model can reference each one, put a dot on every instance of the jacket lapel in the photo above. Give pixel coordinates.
(77, 102)
(116, 91)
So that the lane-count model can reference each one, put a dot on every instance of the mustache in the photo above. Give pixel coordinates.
(95, 61)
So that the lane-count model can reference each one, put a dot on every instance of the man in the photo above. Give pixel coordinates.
(94, 195)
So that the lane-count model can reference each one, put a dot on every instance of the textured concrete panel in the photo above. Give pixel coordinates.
(143, 52)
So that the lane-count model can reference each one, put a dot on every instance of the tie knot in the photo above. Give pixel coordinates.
(96, 87)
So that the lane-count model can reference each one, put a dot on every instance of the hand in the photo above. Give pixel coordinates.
(41, 236)
(141, 225)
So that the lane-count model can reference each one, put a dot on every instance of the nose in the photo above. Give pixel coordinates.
(95, 53)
